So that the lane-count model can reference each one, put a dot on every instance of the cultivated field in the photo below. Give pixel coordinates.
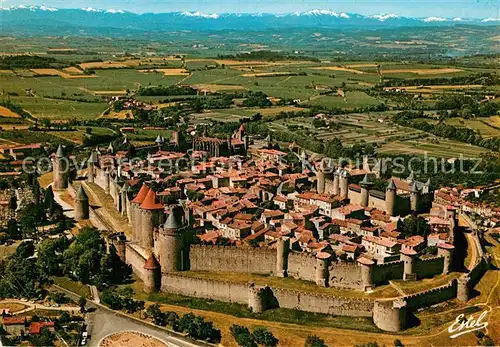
(54, 72)
(5, 112)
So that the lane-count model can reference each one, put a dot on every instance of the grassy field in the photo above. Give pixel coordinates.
(76, 287)
(440, 148)
(13, 307)
(485, 126)
(352, 100)
(77, 135)
(60, 109)
(6, 250)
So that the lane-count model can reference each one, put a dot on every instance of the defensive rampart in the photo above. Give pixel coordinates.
(232, 259)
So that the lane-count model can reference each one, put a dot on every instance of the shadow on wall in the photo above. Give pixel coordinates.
(268, 299)
(460, 250)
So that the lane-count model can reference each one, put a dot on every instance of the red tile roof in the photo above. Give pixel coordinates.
(151, 263)
(13, 320)
(150, 203)
(36, 327)
(141, 195)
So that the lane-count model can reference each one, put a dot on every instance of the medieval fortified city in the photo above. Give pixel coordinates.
(263, 175)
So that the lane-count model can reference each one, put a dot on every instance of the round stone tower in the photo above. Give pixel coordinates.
(320, 181)
(282, 248)
(446, 250)
(463, 292)
(60, 170)
(366, 272)
(344, 184)
(365, 185)
(390, 315)
(336, 182)
(390, 198)
(152, 275)
(150, 218)
(135, 213)
(409, 257)
(414, 197)
(91, 163)
(321, 270)
(124, 199)
(256, 299)
(106, 180)
(171, 244)
(81, 204)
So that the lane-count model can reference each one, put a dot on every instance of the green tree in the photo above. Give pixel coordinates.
(82, 302)
(415, 225)
(264, 337)
(45, 338)
(13, 229)
(242, 336)
(49, 258)
(314, 341)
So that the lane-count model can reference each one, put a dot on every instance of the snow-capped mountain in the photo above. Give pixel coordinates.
(46, 20)
(384, 17)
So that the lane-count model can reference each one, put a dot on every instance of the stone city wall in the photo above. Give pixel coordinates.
(477, 272)
(328, 304)
(100, 178)
(429, 267)
(432, 296)
(387, 271)
(290, 299)
(346, 275)
(136, 260)
(376, 202)
(205, 288)
(301, 265)
(232, 259)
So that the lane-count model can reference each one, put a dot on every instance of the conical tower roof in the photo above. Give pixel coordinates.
(172, 222)
(141, 195)
(391, 185)
(125, 187)
(366, 181)
(150, 203)
(81, 195)
(411, 177)
(151, 263)
(413, 187)
(159, 139)
(60, 152)
(92, 158)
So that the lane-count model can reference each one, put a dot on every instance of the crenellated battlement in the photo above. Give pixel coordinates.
(389, 264)
(448, 285)
(430, 259)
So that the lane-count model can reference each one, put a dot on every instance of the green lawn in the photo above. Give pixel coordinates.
(60, 109)
(352, 100)
(76, 287)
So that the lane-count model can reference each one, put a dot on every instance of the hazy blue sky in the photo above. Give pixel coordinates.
(416, 8)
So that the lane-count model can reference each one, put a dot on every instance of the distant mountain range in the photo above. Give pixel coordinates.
(46, 20)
